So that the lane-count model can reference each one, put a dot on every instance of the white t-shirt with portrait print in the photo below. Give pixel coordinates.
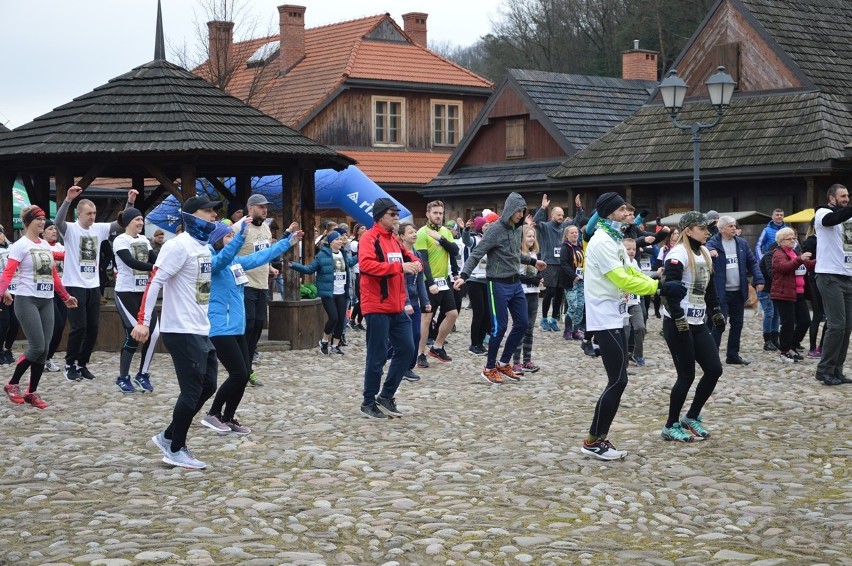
(35, 271)
(339, 273)
(185, 266)
(127, 279)
(82, 254)
(4, 255)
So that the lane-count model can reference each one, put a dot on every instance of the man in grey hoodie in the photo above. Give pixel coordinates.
(502, 243)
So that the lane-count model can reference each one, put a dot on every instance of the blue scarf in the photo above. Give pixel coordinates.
(196, 227)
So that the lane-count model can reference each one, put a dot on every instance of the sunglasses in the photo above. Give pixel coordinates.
(393, 214)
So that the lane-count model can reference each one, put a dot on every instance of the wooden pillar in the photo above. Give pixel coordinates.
(243, 190)
(810, 193)
(41, 194)
(64, 180)
(187, 181)
(138, 182)
(7, 181)
(628, 194)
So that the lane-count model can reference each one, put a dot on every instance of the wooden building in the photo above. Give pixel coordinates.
(368, 88)
(782, 141)
(532, 122)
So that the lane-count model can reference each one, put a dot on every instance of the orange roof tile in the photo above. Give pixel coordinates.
(334, 53)
(414, 167)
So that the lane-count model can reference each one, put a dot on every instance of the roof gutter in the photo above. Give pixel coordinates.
(418, 87)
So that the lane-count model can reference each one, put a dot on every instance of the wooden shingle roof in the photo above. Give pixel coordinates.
(161, 108)
(582, 107)
(795, 131)
(574, 109)
(784, 133)
(816, 34)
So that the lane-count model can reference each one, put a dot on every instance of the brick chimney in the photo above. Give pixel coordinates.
(414, 24)
(639, 64)
(291, 23)
(220, 38)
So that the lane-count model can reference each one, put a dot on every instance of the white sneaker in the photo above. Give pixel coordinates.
(50, 365)
(162, 443)
(183, 458)
(603, 450)
(212, 421)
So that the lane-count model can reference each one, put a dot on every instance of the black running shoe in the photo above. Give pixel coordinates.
(388, 406)
(85, 373)
(422, 362)
(71, 373)
(440, 354)
(372, 410)
(410, 376)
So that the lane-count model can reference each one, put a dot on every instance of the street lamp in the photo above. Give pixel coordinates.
(673, 90)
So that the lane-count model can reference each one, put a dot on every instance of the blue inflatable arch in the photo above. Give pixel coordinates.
(349, 190)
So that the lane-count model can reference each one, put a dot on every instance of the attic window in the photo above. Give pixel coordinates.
(263, 54)
(516, 138)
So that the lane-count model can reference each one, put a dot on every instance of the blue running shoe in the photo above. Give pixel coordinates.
(143, 380)
(124, 385)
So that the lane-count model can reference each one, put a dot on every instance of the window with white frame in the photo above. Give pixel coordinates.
(446, 122)
(388, 121)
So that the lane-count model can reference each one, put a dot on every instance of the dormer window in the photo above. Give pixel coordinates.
(388, 121)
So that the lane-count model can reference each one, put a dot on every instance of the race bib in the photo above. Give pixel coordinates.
(645, 265)
(579, 272)
(240, 277)
(801, 270)
(622, 307)
(530, 289)
(442, 284)
(557, 252)
(847, 260)
(261, 245)
(632, 300)
(394, 257)
(340, 277)
(140, 282)
(202, 284)
(732, 262)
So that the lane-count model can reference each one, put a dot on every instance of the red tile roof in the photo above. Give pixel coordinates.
(414, 167)
(334, 53)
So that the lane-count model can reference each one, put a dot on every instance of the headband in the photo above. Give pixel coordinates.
(32, 214)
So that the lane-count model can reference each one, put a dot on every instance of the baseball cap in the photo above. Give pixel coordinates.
(692, 218)
(257, 200)
(196, 203)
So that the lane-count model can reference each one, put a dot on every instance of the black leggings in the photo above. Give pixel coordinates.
(613, 348)
(556, 294)
(356, 316)
(335, 309)
(687, 348)
(481, 323)
(233, 352)
(819, 312)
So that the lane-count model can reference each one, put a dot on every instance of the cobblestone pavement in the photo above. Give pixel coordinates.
(473, 474)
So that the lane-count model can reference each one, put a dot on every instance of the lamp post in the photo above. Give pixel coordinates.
(673, 90)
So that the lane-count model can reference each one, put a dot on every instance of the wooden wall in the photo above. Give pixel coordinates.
(348, 120)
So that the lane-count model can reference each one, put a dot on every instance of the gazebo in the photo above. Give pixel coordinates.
(161, 121)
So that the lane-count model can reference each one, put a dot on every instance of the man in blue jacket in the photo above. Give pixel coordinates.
(732, 263)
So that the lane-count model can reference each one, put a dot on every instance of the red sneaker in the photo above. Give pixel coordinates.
(13, 392)
(35, 400)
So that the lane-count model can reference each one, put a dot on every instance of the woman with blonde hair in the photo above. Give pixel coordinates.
(531, 279)
(789, 270)
(571, 260)
(689, 294)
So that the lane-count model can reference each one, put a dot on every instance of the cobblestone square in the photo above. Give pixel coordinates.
(473, 474)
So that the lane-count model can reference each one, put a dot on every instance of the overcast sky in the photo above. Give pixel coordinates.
(52, 51)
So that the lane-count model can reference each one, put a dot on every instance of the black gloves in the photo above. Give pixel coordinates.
(681, 324)
(718, 320)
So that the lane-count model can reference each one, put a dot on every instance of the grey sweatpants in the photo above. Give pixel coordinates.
(36, 318)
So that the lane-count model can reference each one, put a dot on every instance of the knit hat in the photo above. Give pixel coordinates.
(712, 215)
(382, 205)
(608, 203)
(220, 231)
(491, 217)
(478, 223)
(692, 218)
(342, 229)
(333, 235)
(47, 224)
(128, 215)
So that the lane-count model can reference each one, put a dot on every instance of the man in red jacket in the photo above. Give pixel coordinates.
(383, 263)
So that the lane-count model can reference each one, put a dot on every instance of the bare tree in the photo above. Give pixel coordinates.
(239, 33)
